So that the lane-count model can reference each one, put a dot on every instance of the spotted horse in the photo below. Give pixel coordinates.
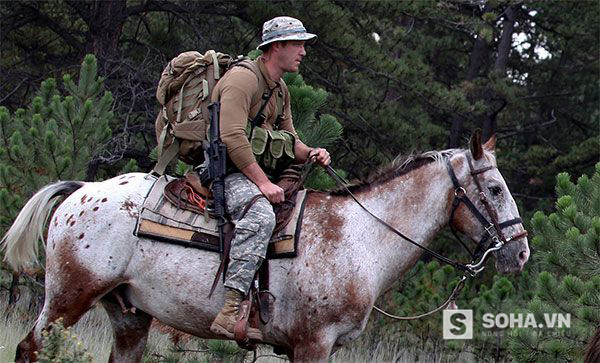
(345, 260)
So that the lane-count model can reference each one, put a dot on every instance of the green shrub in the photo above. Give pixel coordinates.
(60, 345)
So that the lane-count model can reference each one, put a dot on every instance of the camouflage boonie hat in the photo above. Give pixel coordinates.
(284, 28)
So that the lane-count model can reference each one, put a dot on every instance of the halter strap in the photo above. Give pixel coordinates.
(474, 267)
(479, 171)
(491, 212)
(494, 228)
(460, 195)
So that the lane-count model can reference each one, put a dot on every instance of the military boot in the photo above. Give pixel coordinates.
(225, 321)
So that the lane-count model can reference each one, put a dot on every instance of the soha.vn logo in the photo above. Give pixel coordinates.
(502, 320)
(458, 324)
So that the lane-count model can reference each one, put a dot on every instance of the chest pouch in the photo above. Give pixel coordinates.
(273, 149)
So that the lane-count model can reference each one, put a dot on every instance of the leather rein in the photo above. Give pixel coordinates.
(493, 230)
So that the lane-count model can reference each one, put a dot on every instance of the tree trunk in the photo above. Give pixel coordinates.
(478, 58)
(504, 46)
(105, 20)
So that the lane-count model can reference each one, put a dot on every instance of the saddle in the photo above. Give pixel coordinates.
(188, 193)
(179, 211)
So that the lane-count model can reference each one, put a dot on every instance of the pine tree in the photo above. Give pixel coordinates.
(567, 248)
(497, 299)
(53, 138)
(314, 129)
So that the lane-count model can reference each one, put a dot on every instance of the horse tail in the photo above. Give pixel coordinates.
(20, 242)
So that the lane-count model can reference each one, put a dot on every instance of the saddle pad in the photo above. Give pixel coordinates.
(161, 220)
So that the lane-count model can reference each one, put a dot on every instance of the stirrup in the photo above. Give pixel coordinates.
(240, 329)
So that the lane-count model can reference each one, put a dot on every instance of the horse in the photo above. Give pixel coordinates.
(323, 297)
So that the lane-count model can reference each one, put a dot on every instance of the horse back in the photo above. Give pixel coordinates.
(93, 228)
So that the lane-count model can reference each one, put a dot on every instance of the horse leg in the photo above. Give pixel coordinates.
(65, 305)
(312, 349)
(131, 331)
(71, 290)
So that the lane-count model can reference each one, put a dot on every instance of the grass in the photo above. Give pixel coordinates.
(95, 332)
(13, 327)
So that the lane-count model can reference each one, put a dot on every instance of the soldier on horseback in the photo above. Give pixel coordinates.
(253, 164)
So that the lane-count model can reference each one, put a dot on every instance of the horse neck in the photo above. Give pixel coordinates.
(418, 205)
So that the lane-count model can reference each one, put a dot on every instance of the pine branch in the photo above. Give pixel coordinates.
(44, 20)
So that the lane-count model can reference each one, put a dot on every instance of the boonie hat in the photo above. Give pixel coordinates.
(284, 28)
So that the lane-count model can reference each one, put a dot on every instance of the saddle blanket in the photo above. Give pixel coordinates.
(161, 220)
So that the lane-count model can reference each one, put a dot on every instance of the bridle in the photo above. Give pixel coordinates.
(493, 229)
(493, 238)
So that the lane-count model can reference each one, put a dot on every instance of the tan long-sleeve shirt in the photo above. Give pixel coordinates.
(238, 94)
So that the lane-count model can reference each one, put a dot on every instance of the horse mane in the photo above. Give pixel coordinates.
(401, 165)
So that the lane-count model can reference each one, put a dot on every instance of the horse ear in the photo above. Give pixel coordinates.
(475, 145)
(490, 145)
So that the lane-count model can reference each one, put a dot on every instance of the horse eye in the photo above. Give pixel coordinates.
(495, 190)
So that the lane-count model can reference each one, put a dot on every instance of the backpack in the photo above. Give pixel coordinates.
(184, 93)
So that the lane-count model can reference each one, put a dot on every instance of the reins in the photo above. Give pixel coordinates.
(451, 298)
(444, 259)
(493, 231)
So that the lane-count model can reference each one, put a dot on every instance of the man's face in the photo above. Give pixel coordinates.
(290, 54)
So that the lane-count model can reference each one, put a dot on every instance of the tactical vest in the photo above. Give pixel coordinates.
(272, 149)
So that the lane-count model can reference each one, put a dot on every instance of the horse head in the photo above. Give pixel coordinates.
(484, 209)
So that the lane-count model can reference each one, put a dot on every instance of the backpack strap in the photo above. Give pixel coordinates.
(254, 68)
(164, 157)
(256, 121)
(262, 84)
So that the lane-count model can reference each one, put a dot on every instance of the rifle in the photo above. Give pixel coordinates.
(216, 152)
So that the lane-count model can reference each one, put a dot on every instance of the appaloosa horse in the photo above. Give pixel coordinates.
(324, 296)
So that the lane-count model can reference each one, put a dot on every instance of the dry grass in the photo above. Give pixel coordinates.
(93, 330)
(96, 334)
(13, 327)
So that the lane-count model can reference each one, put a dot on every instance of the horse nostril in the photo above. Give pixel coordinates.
(523, 256)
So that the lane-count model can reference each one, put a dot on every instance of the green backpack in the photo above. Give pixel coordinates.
(184, 93)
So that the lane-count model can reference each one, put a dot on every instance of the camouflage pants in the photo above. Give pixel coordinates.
(252, 232)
